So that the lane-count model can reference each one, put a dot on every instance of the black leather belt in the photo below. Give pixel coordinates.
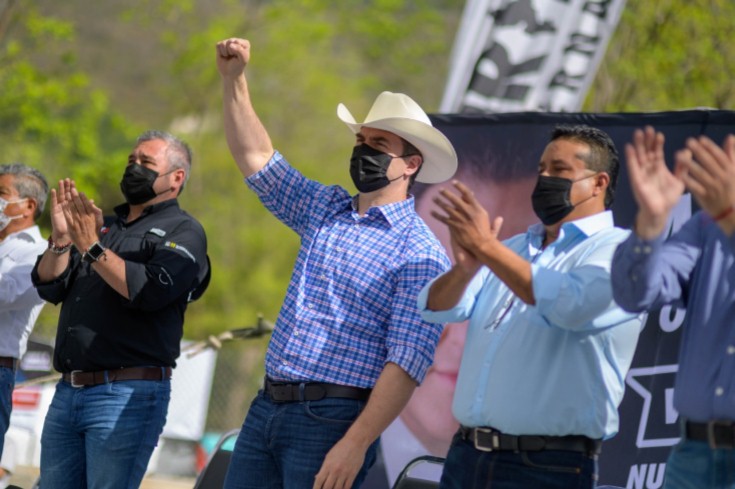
(79, 378)
(8, 362)
(717, 434)
(311, 391)
(491, 440)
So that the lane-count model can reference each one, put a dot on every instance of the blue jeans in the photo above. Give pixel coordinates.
(102, 436)
(283, 445)
(694, 465)
(7, 383)
(469, 468)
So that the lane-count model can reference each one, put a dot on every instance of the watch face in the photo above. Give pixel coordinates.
(94, 252)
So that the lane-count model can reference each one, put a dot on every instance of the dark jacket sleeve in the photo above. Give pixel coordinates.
(177, 268)
(54, 291)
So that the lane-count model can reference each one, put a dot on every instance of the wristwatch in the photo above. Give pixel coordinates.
(94, 252)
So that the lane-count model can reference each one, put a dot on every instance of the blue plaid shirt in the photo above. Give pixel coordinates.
(351, 303)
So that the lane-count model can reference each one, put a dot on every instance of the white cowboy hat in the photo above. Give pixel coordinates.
(397, 113)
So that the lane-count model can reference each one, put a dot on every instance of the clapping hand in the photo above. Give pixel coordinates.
(708, 172)
(82, 219)
(469, 223)
(655, 188)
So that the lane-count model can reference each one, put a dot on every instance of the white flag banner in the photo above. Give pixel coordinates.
(528, 55)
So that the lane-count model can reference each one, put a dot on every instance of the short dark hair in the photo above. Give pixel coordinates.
(178, 153)
(30, 184)
(603, 155)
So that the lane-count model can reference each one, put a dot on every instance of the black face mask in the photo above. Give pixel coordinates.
(137, 184)
(369, 168)
(551, 198)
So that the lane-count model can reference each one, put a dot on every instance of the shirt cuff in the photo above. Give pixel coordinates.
(265, 178)
(640, 246)
(430, 316)
(411, 361)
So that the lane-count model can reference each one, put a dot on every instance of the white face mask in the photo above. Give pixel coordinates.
(4, 218)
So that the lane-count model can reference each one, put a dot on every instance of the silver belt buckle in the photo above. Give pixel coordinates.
(73, 383)
(494, 439)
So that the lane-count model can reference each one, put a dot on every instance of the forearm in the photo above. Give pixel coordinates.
(447, 290)
(111, 268)
(247, 139)
(508, 266)
(390, 395)
(52, 265)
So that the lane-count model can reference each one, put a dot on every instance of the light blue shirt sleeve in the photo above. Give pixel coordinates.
(579, 298)
(512, 376)
(463, 309)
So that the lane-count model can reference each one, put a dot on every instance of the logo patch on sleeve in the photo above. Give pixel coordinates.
(180, 249)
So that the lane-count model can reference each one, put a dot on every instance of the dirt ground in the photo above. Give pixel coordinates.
(24, 478)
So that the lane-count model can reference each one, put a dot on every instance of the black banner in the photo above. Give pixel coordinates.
(503, 150)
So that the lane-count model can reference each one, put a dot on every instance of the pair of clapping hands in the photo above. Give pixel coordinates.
(75, 218)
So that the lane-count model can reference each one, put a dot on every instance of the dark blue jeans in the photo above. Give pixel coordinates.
(694, 465)
(283, 445)
(102, 436)
(468, 468)
(7, 382)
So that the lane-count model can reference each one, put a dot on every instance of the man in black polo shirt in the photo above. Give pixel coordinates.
(124, 286)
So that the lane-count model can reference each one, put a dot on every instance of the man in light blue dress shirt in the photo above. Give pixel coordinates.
(694, 268)
(547, 349)
(349, 345)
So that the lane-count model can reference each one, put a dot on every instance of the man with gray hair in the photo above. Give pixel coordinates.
(23, 192)
(124, 284)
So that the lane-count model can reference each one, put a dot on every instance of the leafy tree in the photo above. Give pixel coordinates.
(667, 55)
(308, 55)
(50, 116)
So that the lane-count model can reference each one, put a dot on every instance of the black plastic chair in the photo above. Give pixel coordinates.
(213, 474)
(406, 481)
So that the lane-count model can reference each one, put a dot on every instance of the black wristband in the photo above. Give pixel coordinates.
(94, 252)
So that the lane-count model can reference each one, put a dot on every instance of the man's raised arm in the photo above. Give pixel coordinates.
(248, 140)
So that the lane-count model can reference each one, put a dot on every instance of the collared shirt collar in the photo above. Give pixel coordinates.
(588, 226)
(31, 234)
(395, 213)
(123, 210)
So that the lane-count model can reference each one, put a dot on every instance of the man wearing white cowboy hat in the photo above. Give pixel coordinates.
(349, 345)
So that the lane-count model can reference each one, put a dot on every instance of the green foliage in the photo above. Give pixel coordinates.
(81, 79)
(50, 115)
(669, 54)
(307, 56)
